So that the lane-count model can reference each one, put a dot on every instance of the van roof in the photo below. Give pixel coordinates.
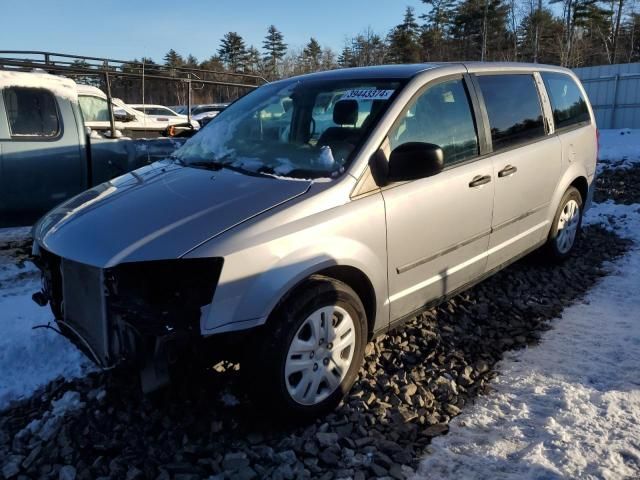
(406, 71)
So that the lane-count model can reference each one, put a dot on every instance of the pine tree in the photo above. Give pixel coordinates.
(312, 55)
(480, 29)
(173, 59)
(345, 59)
(434, 35)
(275, 49)
(233, 51)
(403, 40)
(254, 61)
(191, 62)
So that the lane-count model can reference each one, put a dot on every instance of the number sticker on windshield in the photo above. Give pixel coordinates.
(367, 94)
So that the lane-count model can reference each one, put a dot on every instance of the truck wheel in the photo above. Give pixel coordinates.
(313, 349)
(566, 225)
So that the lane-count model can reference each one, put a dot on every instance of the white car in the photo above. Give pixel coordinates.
(131, 122)
(159, 112)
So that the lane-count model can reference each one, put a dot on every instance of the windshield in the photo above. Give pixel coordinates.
(299, 128)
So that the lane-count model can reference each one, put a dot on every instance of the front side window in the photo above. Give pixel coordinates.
(569, 106)
(513, 106)
(32, 112)
(442, 116)
(296, 128)
(94, 109)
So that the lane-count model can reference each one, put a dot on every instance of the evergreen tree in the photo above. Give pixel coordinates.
(541, 35)
(275, 49)
(312, 55)
(436, 29)
(345, 59)
(191, 62)
(403, 40)
(233, 51)
(480, 29)
(254, 61)
(173, 59)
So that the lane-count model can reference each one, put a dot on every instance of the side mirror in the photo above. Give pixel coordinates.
(123, 117)
(414, 160)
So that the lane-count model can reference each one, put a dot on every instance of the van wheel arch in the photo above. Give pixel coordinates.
(354, 278)
(582, 186)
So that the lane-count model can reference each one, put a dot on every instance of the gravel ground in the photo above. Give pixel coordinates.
(622, 185)
(414, 381)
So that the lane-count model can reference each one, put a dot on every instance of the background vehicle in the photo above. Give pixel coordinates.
(307, 235)
(132, 122)
(205, 113)
(47, 154)
(159, 113)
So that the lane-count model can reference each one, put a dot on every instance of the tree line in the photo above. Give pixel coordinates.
(570, 33)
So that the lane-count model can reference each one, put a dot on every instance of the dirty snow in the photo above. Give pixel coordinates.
(61, 87)
(48, 424)
(570, 407)
(29, 359)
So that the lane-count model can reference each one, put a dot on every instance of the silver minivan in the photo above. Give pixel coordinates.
(317, 212)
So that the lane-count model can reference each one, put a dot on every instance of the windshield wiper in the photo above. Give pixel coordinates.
(218, 164)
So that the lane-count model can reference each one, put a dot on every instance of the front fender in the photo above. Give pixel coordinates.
(261, 271)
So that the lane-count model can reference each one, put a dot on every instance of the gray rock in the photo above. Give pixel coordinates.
(288, 457)
(437, 429)
(329, 458)
(11, 467)
(327, 439)
(68, 472)
(235, 461)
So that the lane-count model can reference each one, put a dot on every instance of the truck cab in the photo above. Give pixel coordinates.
(43, 155)
(48, 154)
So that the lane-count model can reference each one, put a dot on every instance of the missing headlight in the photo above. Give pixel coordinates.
(158, 297)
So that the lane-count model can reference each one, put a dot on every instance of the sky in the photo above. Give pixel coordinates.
(134, 28)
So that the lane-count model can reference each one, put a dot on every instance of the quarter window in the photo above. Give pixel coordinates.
(94, 109)
(32, 112)
(513, 106)
(569, 106)
(442, 116)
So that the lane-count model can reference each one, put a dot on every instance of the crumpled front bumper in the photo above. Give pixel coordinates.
(121, 314)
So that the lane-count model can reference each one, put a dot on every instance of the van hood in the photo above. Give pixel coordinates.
(160, 211)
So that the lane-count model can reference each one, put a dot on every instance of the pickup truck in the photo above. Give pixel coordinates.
(133, 123)
(48, 155)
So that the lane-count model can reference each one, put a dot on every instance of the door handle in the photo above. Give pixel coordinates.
(479, 180)
(507, 171)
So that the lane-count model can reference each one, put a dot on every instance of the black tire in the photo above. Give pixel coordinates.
(553, 250)
(266, 367)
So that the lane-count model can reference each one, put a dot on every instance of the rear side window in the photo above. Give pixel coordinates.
(569, 106)
(513, 106)
(94, 109)
(32, 112)
(440, 115)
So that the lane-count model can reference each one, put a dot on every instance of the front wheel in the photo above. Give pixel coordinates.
(566, 225)
(313, 349)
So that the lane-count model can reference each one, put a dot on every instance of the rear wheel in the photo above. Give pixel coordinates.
(566, 225)
(313, 349)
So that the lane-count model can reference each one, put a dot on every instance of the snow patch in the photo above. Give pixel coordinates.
(569, 407)
(619, 148)
(60, 86)
(29, 359)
